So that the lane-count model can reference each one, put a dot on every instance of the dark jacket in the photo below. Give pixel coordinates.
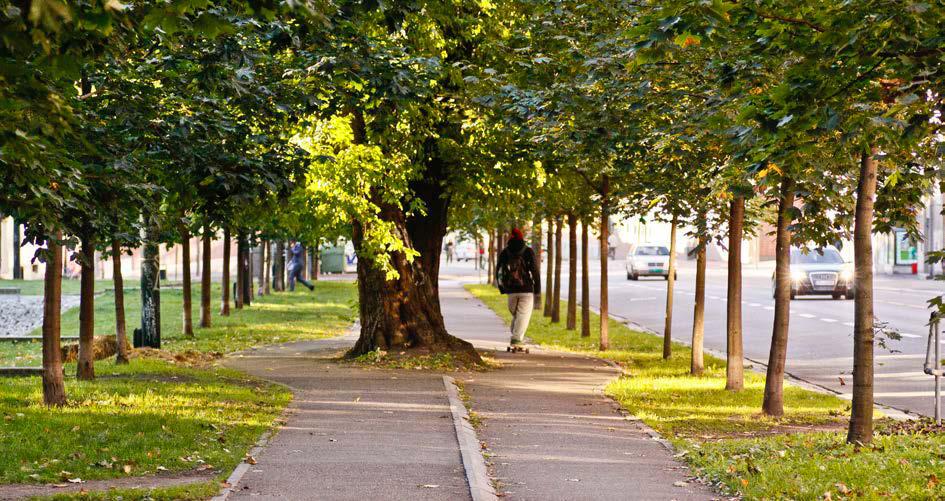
(516, 246)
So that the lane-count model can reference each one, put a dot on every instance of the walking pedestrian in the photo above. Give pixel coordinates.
(517, 275)
(449, 251)
(297, 265)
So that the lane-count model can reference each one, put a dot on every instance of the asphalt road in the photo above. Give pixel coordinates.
(820, 343)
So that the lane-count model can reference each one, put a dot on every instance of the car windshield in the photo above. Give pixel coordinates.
(829, 256)
(651, 250)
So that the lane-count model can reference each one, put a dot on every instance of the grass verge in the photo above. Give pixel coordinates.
(725, 438)
(154, 416)
(271, 319)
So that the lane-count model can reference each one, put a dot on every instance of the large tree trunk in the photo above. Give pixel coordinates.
(259, 268)
(151, 289)
(604, 234)
(572, 272)
(206, 283)
(405, 312)
(773, 404)
(54, 389)
(536, 247)
(556, 300)
(697, 361)
(85, 366)
(278, 268)
(121, 334)
(861, 415)
(734, 368)
(550, 275)
(313, 262)
(670, 286)
(225, 279)
(402, 313)
(585, 282)
(188, 327)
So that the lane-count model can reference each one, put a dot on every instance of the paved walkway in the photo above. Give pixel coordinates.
(353, 433)
(551, 432)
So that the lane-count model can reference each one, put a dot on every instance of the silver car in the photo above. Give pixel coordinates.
(819, 272)
(648, 260)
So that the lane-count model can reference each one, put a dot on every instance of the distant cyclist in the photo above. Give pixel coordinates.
(518, 276)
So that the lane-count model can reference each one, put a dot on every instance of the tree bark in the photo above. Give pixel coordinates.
(401, 313)
(734, 367)
(121, 334)
(670, 286)
(571, 323)
(85, 365)
(278, 268)
(556, 300)
(773, 404)
(267, 267)
(151, 289)
(550, 275)
(206, 284)
(697, 361)
(861, 415)
(225, 279)
(604, 234)
(17, 267)
(188, 327)
(536, 247)
(585, 282)
(240, 282)
(247, 265)
(54, 388)
(490, 259)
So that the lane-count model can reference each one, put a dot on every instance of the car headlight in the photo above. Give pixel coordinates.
(846, 275)
(798, 275)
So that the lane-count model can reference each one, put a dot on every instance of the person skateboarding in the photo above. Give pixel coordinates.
(517, 276)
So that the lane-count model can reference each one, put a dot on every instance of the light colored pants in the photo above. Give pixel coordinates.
(520, 306)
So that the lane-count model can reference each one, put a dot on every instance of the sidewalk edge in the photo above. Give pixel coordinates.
(474, 465)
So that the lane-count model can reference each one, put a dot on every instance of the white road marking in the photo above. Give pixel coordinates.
(755, 304)
(714, 297)
(643, 299)
(849, 324)
(906, 334)
(806, 315)
(769, 308)
(828, 320)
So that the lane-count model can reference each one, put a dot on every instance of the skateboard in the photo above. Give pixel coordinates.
(516, 349)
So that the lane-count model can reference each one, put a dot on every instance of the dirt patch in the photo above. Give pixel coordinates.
(23, 491)
(189, 358)
(423, 359)
(923, 426)
(774, 429)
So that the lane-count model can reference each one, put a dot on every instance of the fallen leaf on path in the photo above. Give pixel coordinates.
(574, 480)
(250, 460)
(74, 480)
(429, 486)
(680, 483)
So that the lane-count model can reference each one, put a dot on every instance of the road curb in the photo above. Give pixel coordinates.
(474, 464)
(757, 366)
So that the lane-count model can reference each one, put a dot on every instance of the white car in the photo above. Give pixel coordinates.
(465, 251)
(648, 260)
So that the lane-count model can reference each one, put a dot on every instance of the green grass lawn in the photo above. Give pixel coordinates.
(272, 319)
(725, 438)
(153, 415)
(69, 286)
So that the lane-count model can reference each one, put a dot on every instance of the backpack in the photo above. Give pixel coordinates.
(514, 273)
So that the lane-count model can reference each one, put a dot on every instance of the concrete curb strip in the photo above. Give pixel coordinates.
(234, 479)
(480, 486)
